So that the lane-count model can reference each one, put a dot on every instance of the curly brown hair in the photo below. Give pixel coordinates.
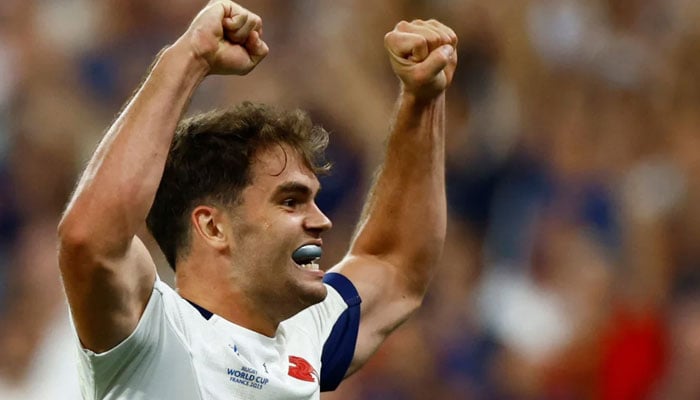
(209, 163)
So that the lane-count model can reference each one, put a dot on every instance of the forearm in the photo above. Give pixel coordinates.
(404, 221)
(119, 183)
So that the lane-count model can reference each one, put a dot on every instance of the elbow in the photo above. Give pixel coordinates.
(71, 233)
(74, 240)
(101, 233)
(82, 251)
(79, 240)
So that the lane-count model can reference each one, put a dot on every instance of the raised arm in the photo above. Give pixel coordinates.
(400, 236)
(107, 272)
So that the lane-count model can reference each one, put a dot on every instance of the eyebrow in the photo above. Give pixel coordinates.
(294, 187)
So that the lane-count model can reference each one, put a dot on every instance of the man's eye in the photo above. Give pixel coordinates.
(289, 203)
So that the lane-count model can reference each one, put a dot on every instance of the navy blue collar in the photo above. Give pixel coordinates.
(205, 313)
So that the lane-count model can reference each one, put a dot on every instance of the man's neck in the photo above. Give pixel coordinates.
(222, 297)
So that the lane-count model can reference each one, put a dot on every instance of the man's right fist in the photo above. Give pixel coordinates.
(227, 37)
(423, 56)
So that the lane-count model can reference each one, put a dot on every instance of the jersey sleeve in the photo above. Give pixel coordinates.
(130, 360)
(340, 337)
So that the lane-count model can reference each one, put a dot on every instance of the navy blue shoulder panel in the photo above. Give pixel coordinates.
(340, 345)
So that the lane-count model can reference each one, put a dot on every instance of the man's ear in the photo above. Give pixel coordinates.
(209, 225)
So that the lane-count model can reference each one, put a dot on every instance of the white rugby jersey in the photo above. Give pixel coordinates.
(180, 351)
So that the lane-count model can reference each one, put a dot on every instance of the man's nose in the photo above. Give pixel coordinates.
(317, 220)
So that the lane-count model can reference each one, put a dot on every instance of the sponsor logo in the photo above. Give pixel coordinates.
(247, 377)
(301, 369)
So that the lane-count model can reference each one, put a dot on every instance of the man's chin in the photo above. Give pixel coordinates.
(313, 294)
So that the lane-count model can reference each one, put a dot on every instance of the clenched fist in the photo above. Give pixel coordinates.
(423, 56)
(227, 37)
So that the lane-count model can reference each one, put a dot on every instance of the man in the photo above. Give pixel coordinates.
(253, 317)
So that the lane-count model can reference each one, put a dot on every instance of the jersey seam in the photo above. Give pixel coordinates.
(171, 325)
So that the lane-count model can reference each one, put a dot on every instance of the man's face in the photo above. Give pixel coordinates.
(277, 215)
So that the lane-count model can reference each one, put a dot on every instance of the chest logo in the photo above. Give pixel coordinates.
(301, 369)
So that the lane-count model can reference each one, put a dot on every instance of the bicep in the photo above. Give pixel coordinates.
(386, 302)
(107, 295)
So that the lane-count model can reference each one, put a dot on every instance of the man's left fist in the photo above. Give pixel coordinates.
(423, 56)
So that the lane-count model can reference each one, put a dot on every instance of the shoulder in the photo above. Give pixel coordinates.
(332, 326)
(342, 297)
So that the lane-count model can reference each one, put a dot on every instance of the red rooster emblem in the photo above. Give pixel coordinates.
(301, 369)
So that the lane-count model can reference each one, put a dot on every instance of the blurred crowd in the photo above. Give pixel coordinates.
(571, 269)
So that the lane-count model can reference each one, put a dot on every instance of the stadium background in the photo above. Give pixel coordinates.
(571, 266)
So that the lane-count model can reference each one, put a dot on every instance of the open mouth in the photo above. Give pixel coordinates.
(306, 256)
